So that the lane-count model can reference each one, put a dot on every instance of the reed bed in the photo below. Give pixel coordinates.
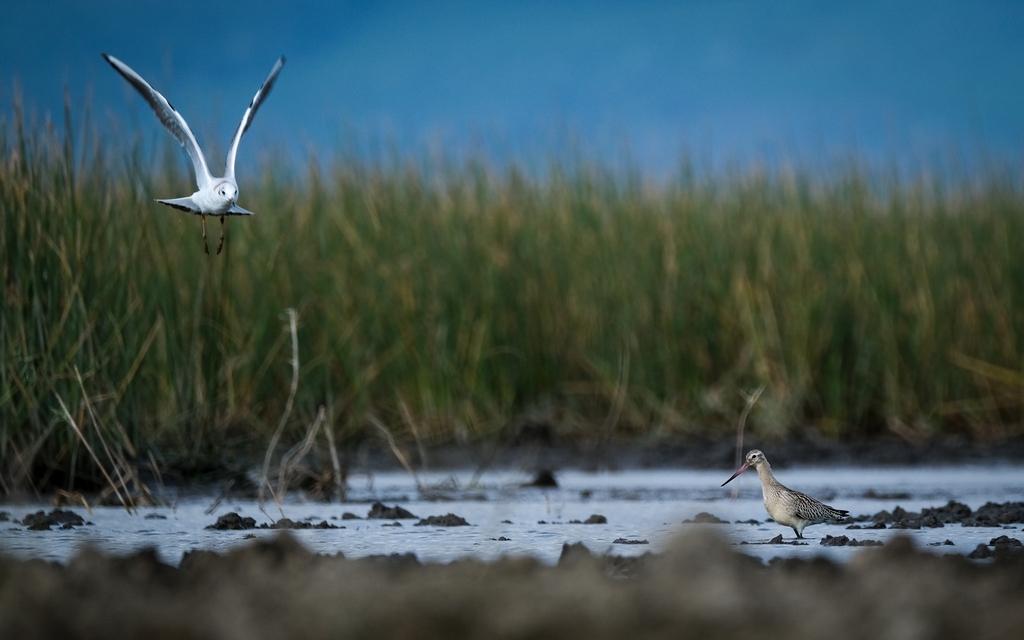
(453, 302)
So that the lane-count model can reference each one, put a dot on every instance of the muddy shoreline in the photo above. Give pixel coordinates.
(538, 453)
(538, 449)
(699, 587)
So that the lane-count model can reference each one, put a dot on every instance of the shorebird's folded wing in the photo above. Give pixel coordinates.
(170, 118)
(185, 204)
(807, 508)
(250, 112)
(805, 512)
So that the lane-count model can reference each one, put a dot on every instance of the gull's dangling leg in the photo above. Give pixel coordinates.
(220, 244)
(206, 247)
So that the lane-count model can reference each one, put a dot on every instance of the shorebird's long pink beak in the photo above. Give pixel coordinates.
(741, 470)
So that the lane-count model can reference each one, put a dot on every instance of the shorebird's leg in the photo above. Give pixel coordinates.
(220, 243)
(206, 247)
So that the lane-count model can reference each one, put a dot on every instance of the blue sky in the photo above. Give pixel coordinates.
(733, 79)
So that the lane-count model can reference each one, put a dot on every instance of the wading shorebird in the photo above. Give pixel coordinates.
(785, 506)
(216, 196)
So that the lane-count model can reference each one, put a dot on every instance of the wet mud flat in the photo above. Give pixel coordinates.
(700, 586)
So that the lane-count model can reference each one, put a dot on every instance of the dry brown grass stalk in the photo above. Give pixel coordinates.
(339, 481)
(291, 460)
(751, 400)
(263, 482)
(88, 447)
(394, 448)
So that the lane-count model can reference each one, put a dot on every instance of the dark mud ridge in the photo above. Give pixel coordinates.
(448, 520)
(990, 514)
(843, 541)
(378, 511)
(547, 454)
(594, 518)
(234, 522)
(42, 521)
(708, 518)
(699, 587)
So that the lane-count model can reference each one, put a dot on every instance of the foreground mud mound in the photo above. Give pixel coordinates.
(698, 588)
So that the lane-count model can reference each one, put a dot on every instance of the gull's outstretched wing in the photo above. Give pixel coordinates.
(236, 210)
(185, 204)
(261, 95)
(169, 117)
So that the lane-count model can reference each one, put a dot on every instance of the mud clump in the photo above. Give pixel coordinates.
(698, 587)
(42, 521)
(1005, 541)
(951, 513)
(796, 542)
(989, 515)
(285, 523)
(876, 525)
(1001, 547)
(232, 522)
(378, 511)
(447, 520)
(843, 541)
(900, 518)
(706, 518)
(994, 515)
(593, 519)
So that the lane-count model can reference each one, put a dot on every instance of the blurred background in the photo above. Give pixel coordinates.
(498, 223)
(638, 81)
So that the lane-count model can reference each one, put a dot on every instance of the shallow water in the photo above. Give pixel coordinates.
(639, 505)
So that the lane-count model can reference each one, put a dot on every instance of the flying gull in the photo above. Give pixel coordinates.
(216, 196)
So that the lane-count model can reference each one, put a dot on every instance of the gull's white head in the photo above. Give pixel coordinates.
(227, 191)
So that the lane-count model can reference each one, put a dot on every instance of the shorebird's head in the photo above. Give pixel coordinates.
(753, 459)
(228, 191)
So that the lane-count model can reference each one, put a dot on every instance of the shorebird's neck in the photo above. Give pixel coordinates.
(764, 473)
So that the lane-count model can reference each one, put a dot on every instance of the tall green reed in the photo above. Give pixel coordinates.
(456, 301)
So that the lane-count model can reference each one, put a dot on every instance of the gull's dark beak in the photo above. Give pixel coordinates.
(741, 470)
